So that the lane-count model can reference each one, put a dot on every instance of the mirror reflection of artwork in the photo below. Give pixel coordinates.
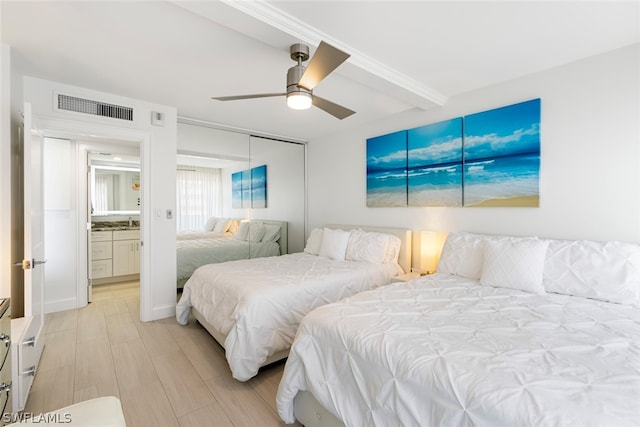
(259, 187)
(246, 189)
(249, 188)
(435, 164)
(387, 170)
(135, 182)
(236, 190)
(502, 156)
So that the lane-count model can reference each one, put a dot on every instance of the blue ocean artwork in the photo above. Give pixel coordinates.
(246, 188)
(434, 160)
(502, 156)
(236, 190)
(259, 187)
(387, 170)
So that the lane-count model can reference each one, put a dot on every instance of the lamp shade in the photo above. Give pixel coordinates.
(299, 100)
(427, 246)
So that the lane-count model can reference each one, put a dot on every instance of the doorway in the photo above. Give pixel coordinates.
(68, 218)
(114, 203)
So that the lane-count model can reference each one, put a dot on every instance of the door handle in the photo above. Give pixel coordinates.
(5, 339)
(27, 264)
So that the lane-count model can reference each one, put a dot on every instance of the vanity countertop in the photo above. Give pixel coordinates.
(118, 225)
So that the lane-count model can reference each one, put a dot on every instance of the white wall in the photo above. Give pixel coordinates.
(11, 223)
(5, 170)
(158, 162)
(590, 158)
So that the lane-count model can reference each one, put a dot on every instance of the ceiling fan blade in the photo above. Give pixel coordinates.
(234, 98)
(326, 59)
(332, 108)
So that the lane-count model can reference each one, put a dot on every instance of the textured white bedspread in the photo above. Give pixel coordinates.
(445, 351)
(259, 302)
(192, 235)
(192, 254)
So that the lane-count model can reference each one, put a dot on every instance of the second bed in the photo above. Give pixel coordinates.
(253, 307)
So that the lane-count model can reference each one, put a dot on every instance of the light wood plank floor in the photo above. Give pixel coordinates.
(164, 374)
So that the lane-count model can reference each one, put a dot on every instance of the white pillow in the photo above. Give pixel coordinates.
(256, 231)
(392, 251)
(314, 242)
(233, 226)
(334, 244)
(210, 224)
(462, 255)
(515, 263)
(367, 246)
(271, 233)
(222, 225)
(243, 231)
(605, 271)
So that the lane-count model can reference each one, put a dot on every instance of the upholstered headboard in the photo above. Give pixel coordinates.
(284, 237)
(404, 234)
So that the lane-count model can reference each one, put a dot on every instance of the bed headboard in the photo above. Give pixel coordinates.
(404, 234)
(284, 237)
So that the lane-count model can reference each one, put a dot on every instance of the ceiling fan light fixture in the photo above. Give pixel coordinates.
(299, 100)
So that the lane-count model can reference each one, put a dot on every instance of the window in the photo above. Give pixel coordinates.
(198, 196)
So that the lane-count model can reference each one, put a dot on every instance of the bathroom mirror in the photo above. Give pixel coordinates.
(115, 190)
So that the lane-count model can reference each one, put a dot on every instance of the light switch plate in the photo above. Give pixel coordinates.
(169, 214)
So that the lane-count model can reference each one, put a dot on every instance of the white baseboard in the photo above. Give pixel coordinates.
(60, 305)
(158, 313)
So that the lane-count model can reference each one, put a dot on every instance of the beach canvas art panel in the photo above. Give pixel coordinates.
(246, 188)
(387, 170)
(502, 156)
(236, 190)
(434, 163)
(259, 187)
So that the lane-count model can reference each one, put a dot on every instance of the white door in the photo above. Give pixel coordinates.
(27, 331)
(33, 222)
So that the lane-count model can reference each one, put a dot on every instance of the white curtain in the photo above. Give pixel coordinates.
(198, 196)
(103, 188)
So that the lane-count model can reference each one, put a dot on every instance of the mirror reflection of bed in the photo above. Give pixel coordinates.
(229, 239)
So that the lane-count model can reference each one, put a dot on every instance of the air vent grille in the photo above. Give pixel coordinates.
(96, 108)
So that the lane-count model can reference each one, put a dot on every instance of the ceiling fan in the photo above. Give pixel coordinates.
(301, 80)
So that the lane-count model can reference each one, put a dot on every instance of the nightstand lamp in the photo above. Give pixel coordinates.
(426, 247)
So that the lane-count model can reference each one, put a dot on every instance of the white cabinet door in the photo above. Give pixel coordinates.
(101, 268)
(136, 258)
(125, 257)
(101, 250)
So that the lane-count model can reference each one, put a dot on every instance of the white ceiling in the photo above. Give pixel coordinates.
(404, 55)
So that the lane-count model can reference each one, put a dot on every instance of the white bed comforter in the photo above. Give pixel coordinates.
(192, 235)
(258, 303)
(445, 351)
(192, 254)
